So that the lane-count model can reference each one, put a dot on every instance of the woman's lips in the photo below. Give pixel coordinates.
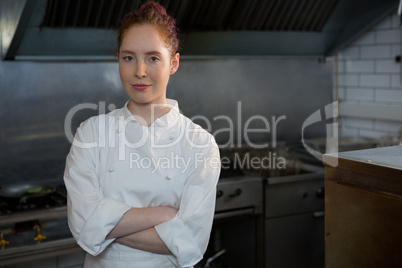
(140, 87)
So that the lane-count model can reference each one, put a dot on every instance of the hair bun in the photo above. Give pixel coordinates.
(155, 14)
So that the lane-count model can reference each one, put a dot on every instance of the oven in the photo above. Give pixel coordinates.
(270, 214)
(294, 221)
(236, 237)
(294, 211)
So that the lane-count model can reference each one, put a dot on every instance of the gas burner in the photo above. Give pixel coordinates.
(56, 199)
(27, 223)
(262, 162)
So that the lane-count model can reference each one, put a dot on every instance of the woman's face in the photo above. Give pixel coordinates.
(145, 65)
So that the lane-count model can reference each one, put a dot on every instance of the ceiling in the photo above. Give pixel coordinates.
(86, 29)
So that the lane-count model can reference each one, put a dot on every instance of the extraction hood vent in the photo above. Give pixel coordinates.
(206, 15)
(86, 29)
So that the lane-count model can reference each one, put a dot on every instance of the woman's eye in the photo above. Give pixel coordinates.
(154, 59)
(128, 58)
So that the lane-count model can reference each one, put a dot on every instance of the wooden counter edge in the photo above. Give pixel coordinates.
(378, 178)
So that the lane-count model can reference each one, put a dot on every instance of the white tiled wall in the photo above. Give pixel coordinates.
(367, 73)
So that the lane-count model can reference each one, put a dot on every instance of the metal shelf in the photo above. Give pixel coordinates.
(34, 215)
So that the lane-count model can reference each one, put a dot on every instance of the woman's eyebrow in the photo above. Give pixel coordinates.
(127, 51)
(154, 52)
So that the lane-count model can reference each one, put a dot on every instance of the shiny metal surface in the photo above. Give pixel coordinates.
(294, 221)
(294, 88)
(234, 214)
(19, 191)
(240, 193)
(301, 194)
(39, 251)
(36, 99)
(390, 157)
(44, 214)
(10, 14)
(37, 96)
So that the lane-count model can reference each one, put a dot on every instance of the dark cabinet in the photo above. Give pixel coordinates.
(363, 208)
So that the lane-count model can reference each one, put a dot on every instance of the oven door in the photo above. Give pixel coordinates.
(236, 237)
(295, 241)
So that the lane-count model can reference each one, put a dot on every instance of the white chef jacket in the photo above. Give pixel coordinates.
(115, 163)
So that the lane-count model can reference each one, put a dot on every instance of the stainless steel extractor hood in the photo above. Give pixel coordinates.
(85, 29)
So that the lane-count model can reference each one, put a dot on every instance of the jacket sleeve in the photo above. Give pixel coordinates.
(91, 215)
(187, 234)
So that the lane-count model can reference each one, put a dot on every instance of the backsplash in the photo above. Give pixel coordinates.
(37, 98)
(369, 76)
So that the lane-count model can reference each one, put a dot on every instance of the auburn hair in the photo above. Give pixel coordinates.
(154, 14)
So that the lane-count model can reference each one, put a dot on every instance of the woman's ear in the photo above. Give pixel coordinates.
(174, 65)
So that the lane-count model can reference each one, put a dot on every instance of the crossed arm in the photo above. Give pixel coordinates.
(93, 216)
(136, 228)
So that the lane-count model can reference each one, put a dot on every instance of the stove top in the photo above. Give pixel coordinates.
(30, 222)
(261, 162)
(56, 199)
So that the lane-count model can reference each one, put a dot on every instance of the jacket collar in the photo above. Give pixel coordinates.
(163, 121)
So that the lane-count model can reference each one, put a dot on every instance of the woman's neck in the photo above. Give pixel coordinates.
(147, 113)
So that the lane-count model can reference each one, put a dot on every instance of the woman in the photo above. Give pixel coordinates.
(141, 180)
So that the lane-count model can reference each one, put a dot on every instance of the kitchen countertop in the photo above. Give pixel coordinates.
(387, 156)
(382, 167)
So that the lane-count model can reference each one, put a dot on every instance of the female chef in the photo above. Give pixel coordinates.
(141, 180)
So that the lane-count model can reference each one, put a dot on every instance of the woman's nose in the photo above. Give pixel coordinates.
(141, 70)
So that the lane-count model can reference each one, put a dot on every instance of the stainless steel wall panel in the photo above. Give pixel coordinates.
(37, 96)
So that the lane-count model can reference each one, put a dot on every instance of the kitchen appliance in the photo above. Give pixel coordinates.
(293, 217)
(237, 227)
(268, 214)
(294, 221)
(34, 228)
(253, 208)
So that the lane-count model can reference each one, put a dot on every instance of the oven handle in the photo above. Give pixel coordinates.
(235, 213)
(318, 214)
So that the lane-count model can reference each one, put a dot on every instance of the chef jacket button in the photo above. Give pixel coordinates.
(171, 137)
(111, 170)
(118, 131)
(168, 177)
